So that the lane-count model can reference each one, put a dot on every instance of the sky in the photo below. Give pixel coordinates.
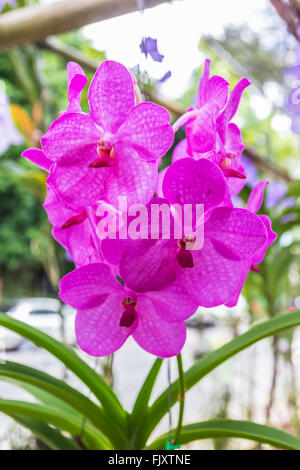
(178, 27)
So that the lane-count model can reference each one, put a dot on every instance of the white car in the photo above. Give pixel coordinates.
(42, 313)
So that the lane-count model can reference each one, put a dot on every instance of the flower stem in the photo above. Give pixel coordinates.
(181, 398)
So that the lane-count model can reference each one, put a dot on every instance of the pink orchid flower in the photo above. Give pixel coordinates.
(212, 274)
(108, 313)
(113, 150)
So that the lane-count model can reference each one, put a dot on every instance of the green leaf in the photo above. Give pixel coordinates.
(229, 428)
(69, 399)
(212, 360)
(72, 361)
(61, 420)
(141, 405)
(53, 438)
(142, 401)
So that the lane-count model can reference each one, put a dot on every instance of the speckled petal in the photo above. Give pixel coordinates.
(111, 95)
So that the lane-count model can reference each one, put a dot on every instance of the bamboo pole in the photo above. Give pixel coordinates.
(36, 22)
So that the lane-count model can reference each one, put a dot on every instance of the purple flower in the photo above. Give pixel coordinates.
(113, 150)
(8, 131)
(149, 46)
(165, 77)
(108, 313)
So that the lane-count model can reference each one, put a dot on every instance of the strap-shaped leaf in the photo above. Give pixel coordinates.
(53, 438)
(212, 360)
(230, 428)
(64, 421)
(141, 405)
(142, 401)
(72, 398)
(72, 361)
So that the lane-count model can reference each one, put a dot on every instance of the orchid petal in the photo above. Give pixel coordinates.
(78, 185)
(98, 330)
(236, 234)
(130, 177)
(88, 286)
(194, 182)
(156, 336)
(38, 157)
(214, 280)
(201, 131)
(69, 138)
(256, 197)
(147, 128)
(111, 95)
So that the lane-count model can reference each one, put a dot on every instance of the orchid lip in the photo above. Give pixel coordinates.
(185, 257)
(100, 163)
(74, 220)
(230, 172)
(130, 314)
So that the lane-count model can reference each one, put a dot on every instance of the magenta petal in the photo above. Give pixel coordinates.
(147, 128)
(69, 138)
(174, 303)
(234, 141)
(271, 237)
(236, 234)
(194, 182)
(256, 197)
(216, 91)
(200, 101)
(201, 132)
(236, 184)
(245, 268)
(130, 177)
(232, 106)
(156, 336)
(98, 330)
(214, 280)
(78, 185)
(75, 71)
(114, 249)
(76, 240)
(180, 151)
(38, 157)
(76, 83)
(151, 268)
(88, 286)
(56, 211)
(111, 95)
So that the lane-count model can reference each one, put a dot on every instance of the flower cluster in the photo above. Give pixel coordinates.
(147, 287)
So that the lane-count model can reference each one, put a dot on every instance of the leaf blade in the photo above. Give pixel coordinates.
(233, 428)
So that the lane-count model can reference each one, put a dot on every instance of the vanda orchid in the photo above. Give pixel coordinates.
(147, 286)
(149, 247)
